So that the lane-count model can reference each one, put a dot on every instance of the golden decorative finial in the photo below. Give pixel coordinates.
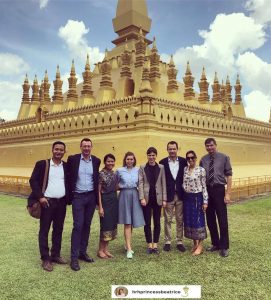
(46, 76)
(154, 43)
(228, 80)
(203, 74)
(238, 79)
(171, 63)
(216, 78)
(188, 70)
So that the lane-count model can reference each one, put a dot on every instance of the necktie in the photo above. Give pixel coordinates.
(211, 170)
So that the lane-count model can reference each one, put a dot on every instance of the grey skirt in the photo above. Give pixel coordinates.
(130, 210)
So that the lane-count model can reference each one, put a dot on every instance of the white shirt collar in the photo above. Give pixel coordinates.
(54, 164)
(177, 159)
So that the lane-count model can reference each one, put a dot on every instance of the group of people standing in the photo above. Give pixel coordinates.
(178, 185)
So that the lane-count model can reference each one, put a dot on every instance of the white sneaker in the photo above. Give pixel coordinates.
(130, 250)
(129, 254)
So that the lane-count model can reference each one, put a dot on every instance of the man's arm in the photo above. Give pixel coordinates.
(227, 198)
(36, 180)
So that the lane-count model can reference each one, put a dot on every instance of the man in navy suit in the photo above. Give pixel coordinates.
(83, 184)
(174, 168)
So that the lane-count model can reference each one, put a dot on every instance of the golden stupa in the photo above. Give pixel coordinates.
(130, 101)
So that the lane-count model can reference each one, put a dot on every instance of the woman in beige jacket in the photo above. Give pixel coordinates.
(152, 195)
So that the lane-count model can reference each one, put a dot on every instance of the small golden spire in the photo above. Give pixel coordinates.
(154, 43)
(188, 69)
(171, 63)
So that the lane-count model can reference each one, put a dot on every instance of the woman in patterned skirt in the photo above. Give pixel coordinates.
(195, 202)
(130, 210)
(108, 206)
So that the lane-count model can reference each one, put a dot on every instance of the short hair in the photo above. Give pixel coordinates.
(59, 143)
(129, 153)
(85, 140)
(172, 143)
(109, 155)
(192, 152)
(151, 150)
(210, 140)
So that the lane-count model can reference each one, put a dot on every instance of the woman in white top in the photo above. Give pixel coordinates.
(195, 202)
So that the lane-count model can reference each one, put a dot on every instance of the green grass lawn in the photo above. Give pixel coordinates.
(245, 274)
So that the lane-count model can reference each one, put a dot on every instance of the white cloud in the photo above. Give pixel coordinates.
(12, 64)
(227, 49)
(260, 10)
(227, 36)
(10, 99)
(255, 71)
(43, 3)
(258, 105)
(73, 34)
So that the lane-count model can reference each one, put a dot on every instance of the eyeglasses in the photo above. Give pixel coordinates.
(190, 157)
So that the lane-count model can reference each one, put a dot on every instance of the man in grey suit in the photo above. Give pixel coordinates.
(218, 174)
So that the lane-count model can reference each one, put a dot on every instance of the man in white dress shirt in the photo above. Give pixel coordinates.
(174, 168)
(53, 203)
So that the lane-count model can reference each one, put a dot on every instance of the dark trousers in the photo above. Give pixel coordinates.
(55, 213)
(152, 209)
(83, 207)
(217, 209)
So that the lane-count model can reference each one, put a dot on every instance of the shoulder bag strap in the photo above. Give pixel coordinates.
(45, 176)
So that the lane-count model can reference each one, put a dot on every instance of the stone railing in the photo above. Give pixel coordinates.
(247, 187)
(163, 114)
(242, 188)
(18, 185)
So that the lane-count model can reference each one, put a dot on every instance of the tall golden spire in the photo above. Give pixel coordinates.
(203, 86)
(35, 89)
(228, 88)
(188, 80)
(216, 90)
(172, 75)
(58, 96)
(238, 88)
(72, 92)
(46, 88)
(26, 87)
(87, 75)
(155, 62)
(106, 68)
(130, 16)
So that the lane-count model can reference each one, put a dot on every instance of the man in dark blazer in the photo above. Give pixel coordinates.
(83, 185)
(174, 169)
(53, 202)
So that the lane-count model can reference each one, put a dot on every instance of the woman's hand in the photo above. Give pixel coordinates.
(101, 212)
(204, 207)
(164, 203)
(143, 202)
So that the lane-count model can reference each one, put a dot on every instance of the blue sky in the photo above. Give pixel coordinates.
(227, 36)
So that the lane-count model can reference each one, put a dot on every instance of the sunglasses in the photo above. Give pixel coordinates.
(190, 157)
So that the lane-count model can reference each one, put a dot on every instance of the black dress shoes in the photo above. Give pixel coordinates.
(181, 247)
(213, 248)
(149, 250)
(166, 247)
(75, 265)
(224, 252)
(86, 258)
(155, 251)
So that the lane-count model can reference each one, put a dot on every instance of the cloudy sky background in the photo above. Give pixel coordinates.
(228, 36)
